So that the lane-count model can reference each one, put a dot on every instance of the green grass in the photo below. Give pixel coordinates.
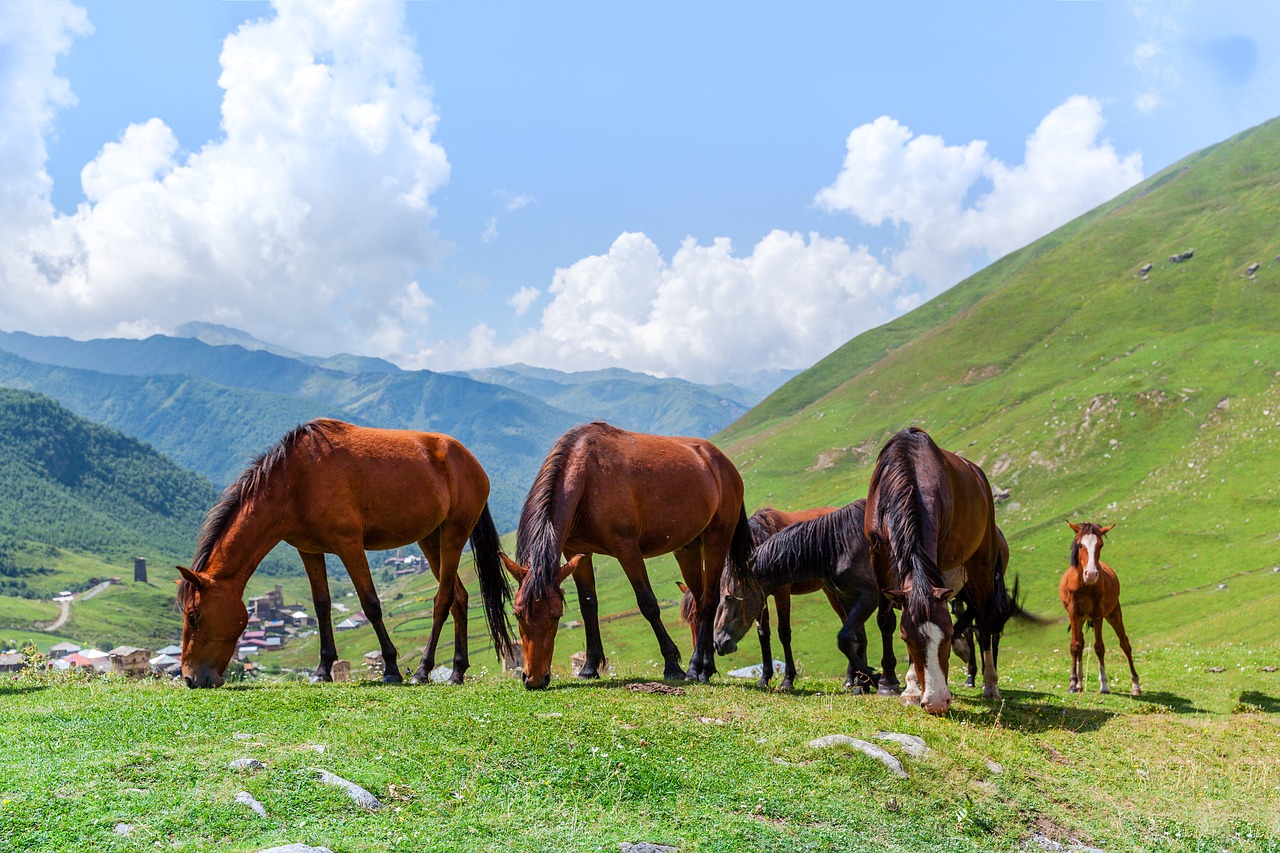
(1189, 766)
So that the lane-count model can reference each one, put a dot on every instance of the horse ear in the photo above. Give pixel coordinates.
(897, 596)
(1073, 527)
(1107, 529)
(684, 589)
(517, 571)
(568, 568)
(194, 578)
(941, 593)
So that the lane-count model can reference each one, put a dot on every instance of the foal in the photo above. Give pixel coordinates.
(1090, 591)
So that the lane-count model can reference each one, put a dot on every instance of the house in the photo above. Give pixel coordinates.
(301, 618)
(129, 660)
(171, 649)
(99, 662)
(12, 661)
(61, 650)
(166, 664)
(354, 621)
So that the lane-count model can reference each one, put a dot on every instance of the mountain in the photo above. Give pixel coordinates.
(1093, 388)
(71, 483)
(215, 334)
(635, 401)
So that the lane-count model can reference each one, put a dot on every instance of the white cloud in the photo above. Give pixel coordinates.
(1156, 56)
(706, 314)
(514, 203)
(306, 222)
(523, 299)
(924, 185)
(490, 230)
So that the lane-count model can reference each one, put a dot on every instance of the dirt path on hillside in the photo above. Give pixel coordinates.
(66, 606)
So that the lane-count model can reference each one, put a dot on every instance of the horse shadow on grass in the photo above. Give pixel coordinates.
(1261, 701)
(19, 689)
(1170, 702)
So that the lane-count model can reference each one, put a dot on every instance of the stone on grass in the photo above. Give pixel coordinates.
(296, 848)
(245, 764)
(244, 798)
(646, 847)
(914, 745)
(362, 797)
(124, 829)
(879, 753)
(756, 670)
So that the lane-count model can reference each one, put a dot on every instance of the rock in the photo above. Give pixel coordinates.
(244, 798)
(646, 847)
(914, 746)
(999, 494)
(340, 671)
(296, 848)
(1253, 268)
(124, 830)
(1216, 669)
(242, 764)
(876, 752)
(441, 674)
(756, 670)
(362, 797)
(994, 766)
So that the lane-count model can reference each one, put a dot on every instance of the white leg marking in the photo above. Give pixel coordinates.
(989, 689)
(1102, 679)
(911, 695)
(935, 683)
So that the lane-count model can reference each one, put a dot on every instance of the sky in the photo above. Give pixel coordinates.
(706, 190)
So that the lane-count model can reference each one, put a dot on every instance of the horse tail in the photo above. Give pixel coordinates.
(899, 508)
(688, 606)
(741, 546)
(494, 588)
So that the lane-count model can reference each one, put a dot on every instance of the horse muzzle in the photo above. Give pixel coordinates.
(725, 645)
(531, 683)
(204, 680)
(1089, 578)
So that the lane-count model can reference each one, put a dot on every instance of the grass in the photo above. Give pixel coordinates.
(1189, 766)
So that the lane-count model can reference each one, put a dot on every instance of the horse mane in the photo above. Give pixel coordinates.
(248, 484)
(899, 505)
(817, 542)
(763, 524)
(537, 540)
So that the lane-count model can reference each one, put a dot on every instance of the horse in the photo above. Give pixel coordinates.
(1090, 592)
(631, 496)
(333, 487)
(830, 553)
(930, 525)
(763, 523)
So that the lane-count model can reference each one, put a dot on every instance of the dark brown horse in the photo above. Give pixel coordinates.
(603, 490)
(1090, 592)
(331, 487)
(830, 553)
(930, 524)
(763, 523)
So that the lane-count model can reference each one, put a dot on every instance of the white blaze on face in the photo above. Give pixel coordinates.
(935, 683)
(1090, 544)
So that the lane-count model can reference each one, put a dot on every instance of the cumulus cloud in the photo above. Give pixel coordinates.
(522, 300)
(924, 186)
(313, 206)
(705, 314)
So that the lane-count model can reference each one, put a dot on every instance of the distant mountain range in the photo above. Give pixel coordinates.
(212, 400)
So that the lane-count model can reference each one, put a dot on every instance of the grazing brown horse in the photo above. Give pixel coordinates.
(331, 487)
(763, 523)
(1090, 592)
(603, 490)
(930, 524)
(828, 552)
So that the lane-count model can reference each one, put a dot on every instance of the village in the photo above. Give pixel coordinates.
(272, 623)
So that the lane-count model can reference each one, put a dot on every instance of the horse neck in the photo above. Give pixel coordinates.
(249, 537)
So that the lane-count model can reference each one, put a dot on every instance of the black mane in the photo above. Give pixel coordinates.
(898, 490)
(810, 548)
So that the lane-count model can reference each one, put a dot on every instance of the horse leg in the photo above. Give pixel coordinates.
(1100, 651)
(1077, 651)
(584, 578)
(986, 647)
(451, 598)
(461, 660)
(782, 598)
(1117, 624)
(319, 580)
(633, 565)
(852, 640)
(766, 650)
(430, 546)
(690, 560)
(358, 568)
(887, 622)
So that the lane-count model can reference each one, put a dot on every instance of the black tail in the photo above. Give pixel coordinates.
(494, 589)
(1007, 604)
(899, 509)
(740, 548)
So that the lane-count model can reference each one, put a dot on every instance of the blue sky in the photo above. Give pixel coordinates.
(700, 190)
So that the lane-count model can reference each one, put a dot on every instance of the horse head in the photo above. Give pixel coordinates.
(741, 602)
(926, 628)
(1086, 550)
(538, 608)
(213, 618)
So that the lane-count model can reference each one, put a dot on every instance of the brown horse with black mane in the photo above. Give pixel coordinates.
(930, 524)
(332, 487)
(603, 490)
(1090, 592)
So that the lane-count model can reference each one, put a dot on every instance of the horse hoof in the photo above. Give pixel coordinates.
(317, 678)
(676, 674)
(457, 678)
(969, 682)
(420, 678)
(993, 694)
(588, 673)
(786, 686)
(888, 690)
(1104, 690)
(856, 690)
(1136, 691)
(392, 678)
(1073, 689)
(763, 684)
